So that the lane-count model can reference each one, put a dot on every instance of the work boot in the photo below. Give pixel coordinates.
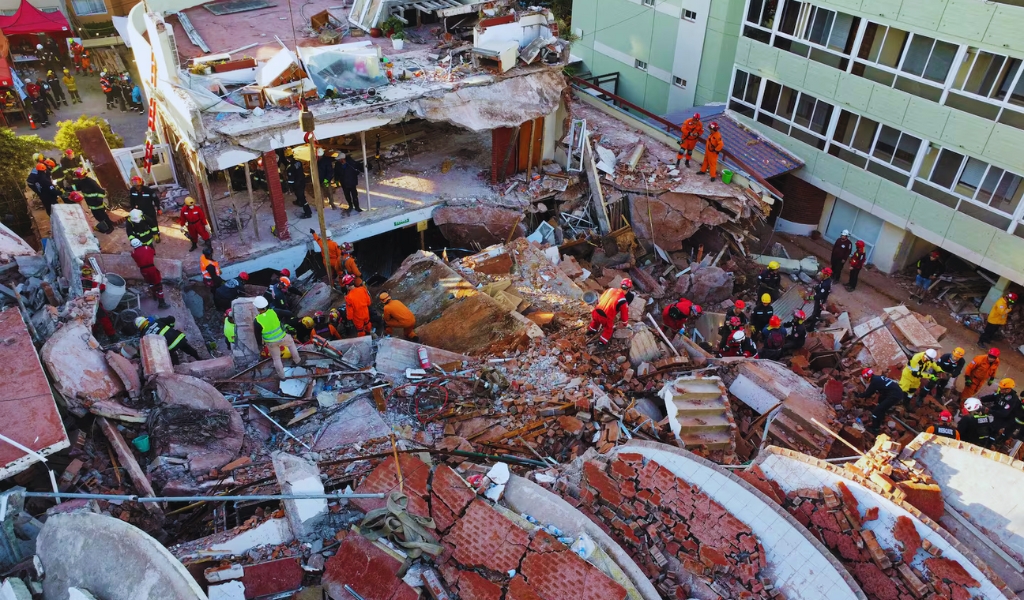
(65, 103)
(712, 179)
(163, 304)
(194, 246)
(687, 163)
(701, 172)
(307, 213)
(677, 163)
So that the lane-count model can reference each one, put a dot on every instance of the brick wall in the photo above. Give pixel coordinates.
(803, 203)
(276, 195)
(500, 140)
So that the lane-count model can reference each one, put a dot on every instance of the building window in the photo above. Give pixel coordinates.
(820, 26)
(898, 50)
(679, 82)
(648, 2)
(639, 64)
(990, 76)
(762, 12)
(975, 180)
(689, 15)
(795, 114)
(745, 87)
(84, 8)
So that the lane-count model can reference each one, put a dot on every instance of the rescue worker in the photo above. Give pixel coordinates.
(857, 261)
(739, 345)
(277, 293)
(69, 163)
(55, 89)
(337, 323)
(1002, 404)
(841, 250)
(229, 328)
(774, 339)
(980, 371)
(921, 365)
(95, 199)
(56, 171)
(944, 427)
(76, 56)
(736, 310)
(976, 426)
(210, 269)
(330, 251)
(729, 327)
(144, 255)
(325, 169)
(691, 131)
(323, 328)
(797, 332)
(305, 331)
(268, 328)
(164, 326)
(233, 289)
(997, 317)
(928, 272)
(613, 300)
(676, 316)
(143, 197)
(296, 178)
(72, 85)
(1017, 430)
(346, 174)
(712, 148)
(47, 94)
(40, 182)
(108, 90)
(193, 223)
(952, 364)
(348, 262)
(140, 228)
(890, 393)
(822, 291)
(398, 316)
(761, 314)
(769, 280)
(357, 305)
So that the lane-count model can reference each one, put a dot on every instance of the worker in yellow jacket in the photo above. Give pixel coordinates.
(997, 318)
(921, 365)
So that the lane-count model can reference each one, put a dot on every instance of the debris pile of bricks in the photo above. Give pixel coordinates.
(834, 517)
(901, 477)
(674, 531)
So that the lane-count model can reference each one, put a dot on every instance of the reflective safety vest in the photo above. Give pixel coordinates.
(271, 325)
(229, 331)
(171, 344)
(609, 301)
(204, 263)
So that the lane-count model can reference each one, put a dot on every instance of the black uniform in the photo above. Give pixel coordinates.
(42, 185)
(1002, 406)
(47, 93)
(96, 200)
(739, 314)
(774, 341)
(769, 282)
(56, 90)
(346, 173)
(325, 169)
(297, 182)
(944, 430)
(176, 341)
(225, 294)
(976, 428)
(760, 316)
(144, 199)
(68, 165)
(726, 331)
(821, 293)
(797, 336)
(889, 395)
(39, 112)
(952, 367)
(144, 231)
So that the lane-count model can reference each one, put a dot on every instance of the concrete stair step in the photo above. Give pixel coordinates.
(796, 416)
(700, 423)
(700, 407)
(789, 433)
(720, 441)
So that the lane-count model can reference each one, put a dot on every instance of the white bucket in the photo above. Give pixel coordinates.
(397, 44)
(113, 291)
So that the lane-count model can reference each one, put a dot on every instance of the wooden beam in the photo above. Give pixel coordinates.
(124, 454)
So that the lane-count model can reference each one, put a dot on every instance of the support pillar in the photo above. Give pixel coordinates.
(994, 293)
(276, 195)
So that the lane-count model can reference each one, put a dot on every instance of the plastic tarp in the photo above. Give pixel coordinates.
(6, 77)
(206, 100)
(30, 19)
(121, 25)
(353, 66)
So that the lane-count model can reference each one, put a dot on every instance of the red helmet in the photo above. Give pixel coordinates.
(935, 254)
(696, 116)
(136, 180)
(867, 373)
(243, 276)
(775, 321)
(286, 273)
(227, 313)
(348, 280)
(80, 172)
(69, 152)
(346, 247)
(1011, 297)
(734, 321)
(827, 271)
(78, 197)
(318, 314)
(994, 352)
(945, 416)
(740, 305)
(696, 310)
(627, 284)
(800, 314)
(860, 243)
(713, 126)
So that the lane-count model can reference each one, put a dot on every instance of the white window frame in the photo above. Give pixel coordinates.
(764, 6)
(870, 155)
(1018, 211)
(639, 65)
(679, 82)
(689, 15)
(796, 103)
(1003, 104)
(648, 2)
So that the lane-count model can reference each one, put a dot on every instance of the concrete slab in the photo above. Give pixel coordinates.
(128, 372)
(881, 344)
(356, 351)
(123, 265)
(79, 369)
(111, 559)
(156, 358)
(12, 245)
(917, 335)
(299, 476)
(395, 355)
(245, 350)
(221, 367)
(14, 589)
(74, 240)
(30, 415)
(356, 423)
(699, 413)
(195, 422)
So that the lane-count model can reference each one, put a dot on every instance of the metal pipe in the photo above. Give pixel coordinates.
(135, 498)
(282, 428)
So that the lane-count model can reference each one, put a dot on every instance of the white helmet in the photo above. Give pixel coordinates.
(328, 234)
(972, 405)
(103, 73)
(341, 155)
(141, 322)
(846, 233)
(931, 353)
(39, 46)
(135, 215)
(260, 303)
(738, 335)
(136, 242)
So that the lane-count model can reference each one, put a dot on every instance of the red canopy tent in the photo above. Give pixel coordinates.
(30, 19)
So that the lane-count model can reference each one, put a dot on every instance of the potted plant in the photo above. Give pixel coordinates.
(391, 26)
(398, 40)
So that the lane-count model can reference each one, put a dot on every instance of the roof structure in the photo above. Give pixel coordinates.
(30, 19)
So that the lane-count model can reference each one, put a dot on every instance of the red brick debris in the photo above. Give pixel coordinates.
(833, 517)
(370, 571)
(678, 535)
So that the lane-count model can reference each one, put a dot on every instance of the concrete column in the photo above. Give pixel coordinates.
(298, 476)
(156, 358)
(246, 349)
(994, 293)
(276, 195)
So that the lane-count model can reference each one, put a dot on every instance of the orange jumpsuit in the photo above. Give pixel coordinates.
(979, 371)
(691, 129)
(332, 252)
(357, 309)
(348, 264)
(398, 315)
(711, 150)
(603, 316)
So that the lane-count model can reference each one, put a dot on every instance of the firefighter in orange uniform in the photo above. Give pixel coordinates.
(691, 129)
(331, 252)
(611, 301)
(712, 149)
(348, 264)
(398, 316)
(357, 305)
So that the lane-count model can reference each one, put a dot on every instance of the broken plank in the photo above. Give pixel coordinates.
(288, 405)
(303, 415)
(124, 454)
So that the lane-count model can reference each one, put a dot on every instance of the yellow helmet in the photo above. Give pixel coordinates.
(766, 298)
(190, 201)
(384, 297)
(774, 265)
(1007, 384)
(958, 353)
(308, 322)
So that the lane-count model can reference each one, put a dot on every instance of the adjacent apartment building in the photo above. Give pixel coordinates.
(909, 115)
(669, 54)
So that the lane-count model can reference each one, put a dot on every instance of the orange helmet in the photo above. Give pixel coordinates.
(285, 282)
(40, 167)
(49, 163)
(775, 321)
(136, 180)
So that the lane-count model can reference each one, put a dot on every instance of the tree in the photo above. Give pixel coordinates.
(66, 133)
(16, 156)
